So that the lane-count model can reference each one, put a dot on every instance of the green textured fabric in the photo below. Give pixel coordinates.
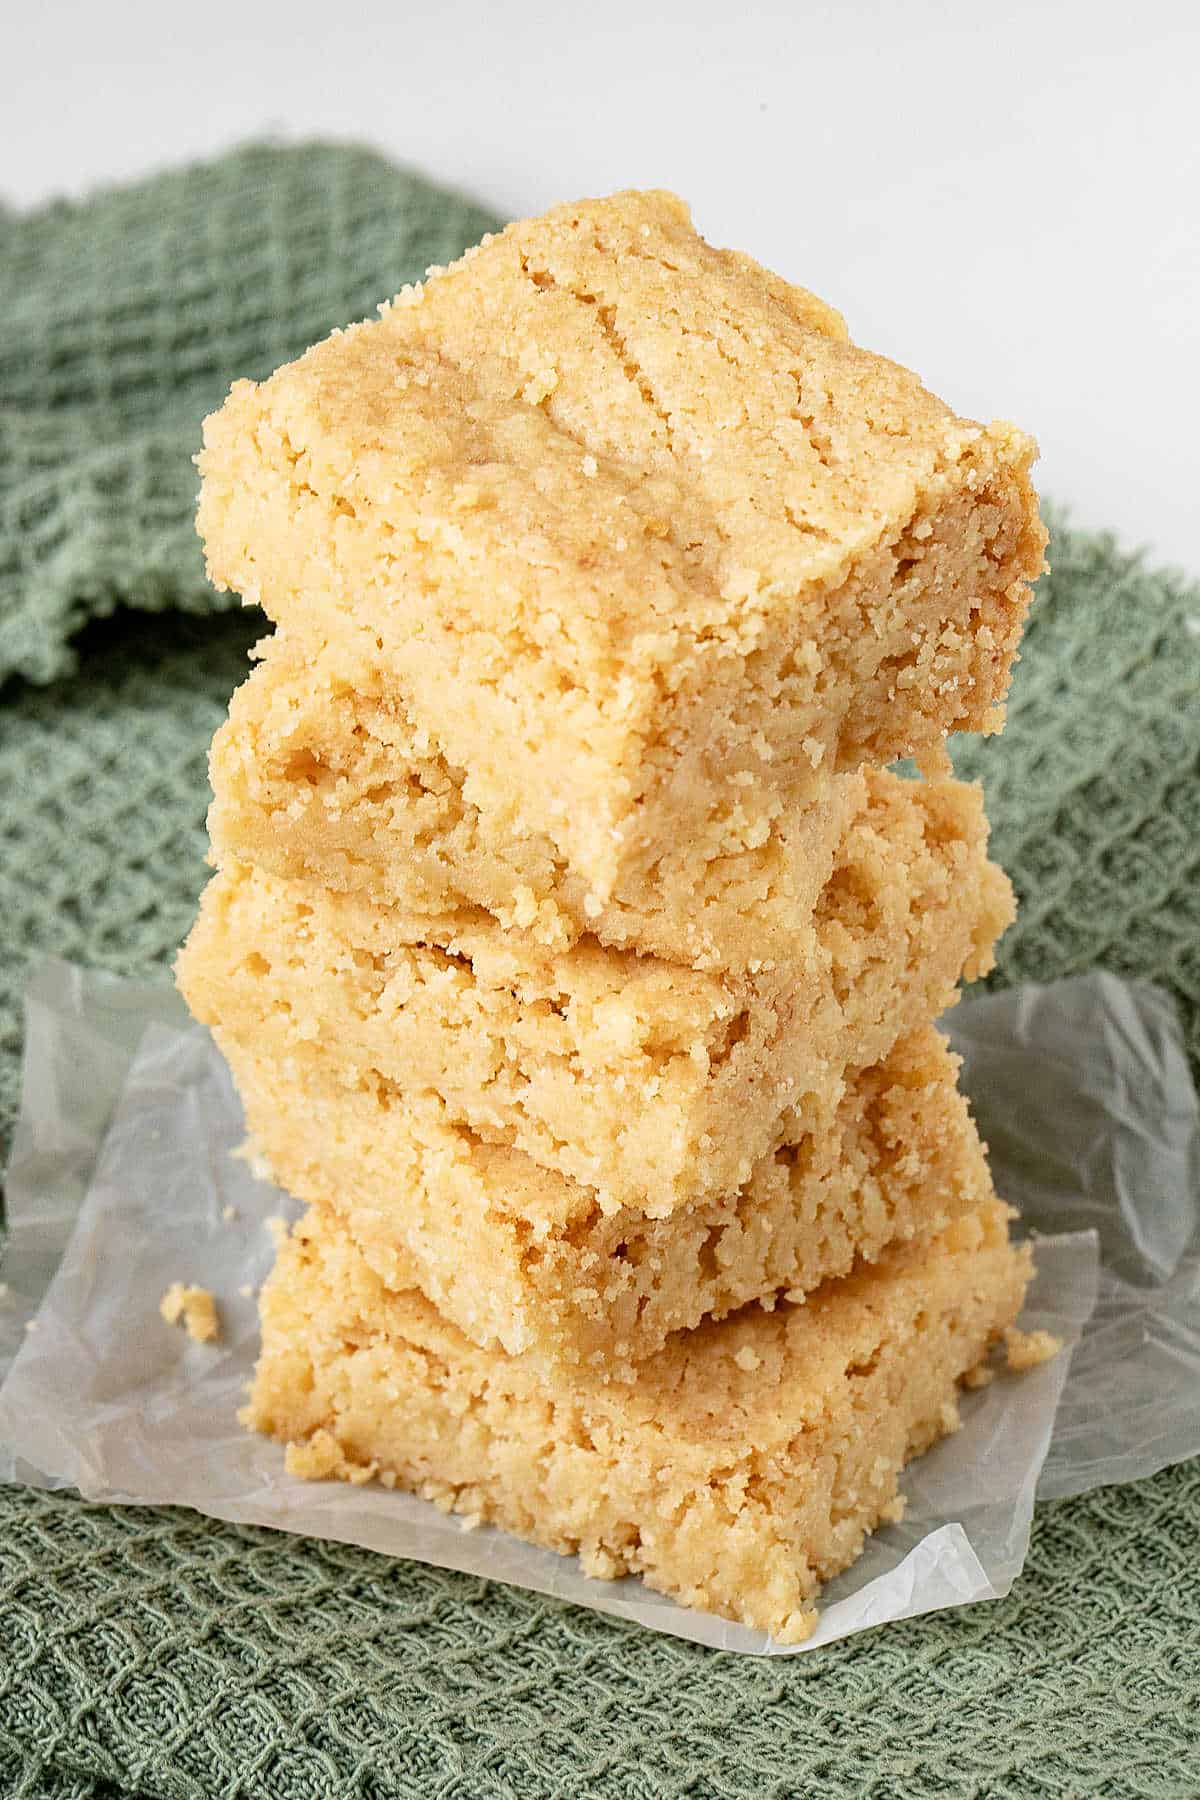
(154, 1653)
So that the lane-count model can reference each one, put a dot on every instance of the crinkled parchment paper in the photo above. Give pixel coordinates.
(122, 1181)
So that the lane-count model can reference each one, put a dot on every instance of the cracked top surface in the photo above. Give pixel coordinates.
(665, 432)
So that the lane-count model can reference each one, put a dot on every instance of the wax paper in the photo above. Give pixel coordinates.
(125, 1178)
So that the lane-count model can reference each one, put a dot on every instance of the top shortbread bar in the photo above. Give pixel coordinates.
(635, 529)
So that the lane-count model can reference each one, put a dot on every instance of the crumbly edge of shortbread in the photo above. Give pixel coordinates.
(194, 1308)
(519, 1258)
(745, 1467)
(650, 1084)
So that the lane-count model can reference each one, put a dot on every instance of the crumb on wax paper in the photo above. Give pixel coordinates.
(1026, 1349)
(194, 1308)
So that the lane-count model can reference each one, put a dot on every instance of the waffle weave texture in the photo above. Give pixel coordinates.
(155, 1653)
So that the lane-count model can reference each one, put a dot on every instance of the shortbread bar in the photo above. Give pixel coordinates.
(319, 780)
(633, 528)
(744, 1467)
(522, 1258)
(651, 1084)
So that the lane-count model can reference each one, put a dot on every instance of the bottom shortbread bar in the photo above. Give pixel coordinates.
(745, 1466)
(521, 1258)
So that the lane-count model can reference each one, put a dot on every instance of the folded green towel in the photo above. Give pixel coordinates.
(156, 1653)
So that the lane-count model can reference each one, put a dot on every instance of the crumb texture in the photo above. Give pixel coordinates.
(1029, 1349)
(194, 1308)
(524, 1259)
(744, 1467)
(652, 1084)
(318, 778)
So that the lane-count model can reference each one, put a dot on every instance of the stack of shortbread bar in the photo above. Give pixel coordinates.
(574, 949)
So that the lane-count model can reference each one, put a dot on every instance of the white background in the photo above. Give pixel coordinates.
(1003, 196)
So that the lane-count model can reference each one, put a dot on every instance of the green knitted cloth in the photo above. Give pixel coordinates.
(161, 1654)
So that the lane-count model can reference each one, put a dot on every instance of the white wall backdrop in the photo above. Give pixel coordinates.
(1004, 197)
